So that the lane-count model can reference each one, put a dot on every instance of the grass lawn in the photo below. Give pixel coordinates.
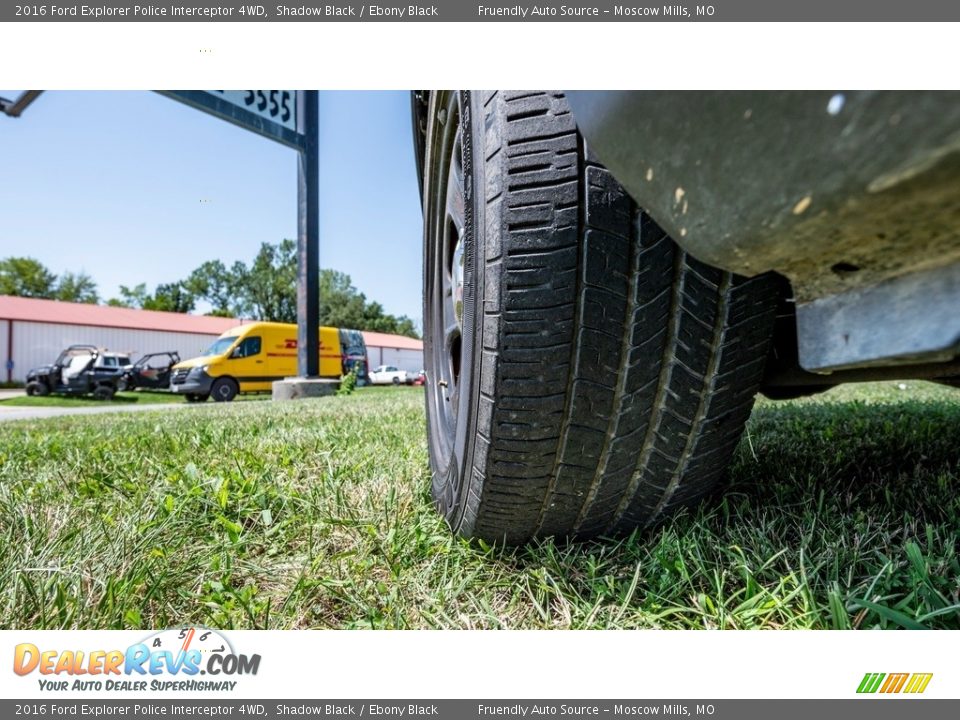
(842, 510)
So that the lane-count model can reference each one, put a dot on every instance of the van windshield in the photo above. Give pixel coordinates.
(219, 347)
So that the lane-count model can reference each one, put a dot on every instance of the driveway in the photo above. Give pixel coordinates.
(36, 413)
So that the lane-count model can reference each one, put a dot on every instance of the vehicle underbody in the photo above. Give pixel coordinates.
(852, 197)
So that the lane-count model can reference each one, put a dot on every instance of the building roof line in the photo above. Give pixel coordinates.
(58, 312)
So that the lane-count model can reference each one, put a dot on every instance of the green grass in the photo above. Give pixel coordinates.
(842, 511)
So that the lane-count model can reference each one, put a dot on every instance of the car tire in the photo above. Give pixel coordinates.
(37, 389)
(224, 389)
(104, 393)
(395, 380)
(586, 375)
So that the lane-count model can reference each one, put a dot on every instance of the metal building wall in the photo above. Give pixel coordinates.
(39, 343)
(4, 354)
(405, 359)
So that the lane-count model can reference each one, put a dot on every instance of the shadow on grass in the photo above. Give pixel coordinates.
(834, 515)
(875, 458)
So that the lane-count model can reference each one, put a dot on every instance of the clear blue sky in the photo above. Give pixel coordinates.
(133, 187)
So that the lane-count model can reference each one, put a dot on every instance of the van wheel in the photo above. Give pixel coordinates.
(586, 376)
(37, 389)
(224, 389)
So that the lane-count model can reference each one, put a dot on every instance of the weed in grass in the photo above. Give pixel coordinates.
(842, 511)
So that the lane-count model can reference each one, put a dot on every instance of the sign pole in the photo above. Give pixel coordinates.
(308, 241)
(291, 118)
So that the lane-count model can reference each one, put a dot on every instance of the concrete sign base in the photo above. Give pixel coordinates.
(295, 388)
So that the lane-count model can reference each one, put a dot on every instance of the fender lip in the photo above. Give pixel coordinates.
(832, 189)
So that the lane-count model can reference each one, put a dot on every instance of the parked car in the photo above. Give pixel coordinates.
(79, 370)
(611, 277)
(152, 371)
(249, 358)
(389, 375)
(420, 378)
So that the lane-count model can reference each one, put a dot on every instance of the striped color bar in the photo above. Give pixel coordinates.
(918, 682)
(870, 683)
(894, 683)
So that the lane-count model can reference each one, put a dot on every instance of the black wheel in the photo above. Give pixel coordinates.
(103, 392)
(396, 380)
(224, 389)
(585, 375)
(196, 398)
(37, 389)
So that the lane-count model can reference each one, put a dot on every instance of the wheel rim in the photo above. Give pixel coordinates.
(447, 208)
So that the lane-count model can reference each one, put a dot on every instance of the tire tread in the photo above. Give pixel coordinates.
(617, 372)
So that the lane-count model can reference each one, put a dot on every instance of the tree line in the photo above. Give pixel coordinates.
(263, 290)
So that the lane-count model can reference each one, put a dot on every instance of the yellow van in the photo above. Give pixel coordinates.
(249, 358)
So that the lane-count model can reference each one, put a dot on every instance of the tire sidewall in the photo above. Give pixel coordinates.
(452, 459)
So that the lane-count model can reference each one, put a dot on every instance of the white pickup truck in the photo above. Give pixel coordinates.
(390, 375)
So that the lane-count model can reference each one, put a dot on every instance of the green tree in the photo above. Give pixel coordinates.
(406, 326)
(77, 287)
(341, 304)
(213, 282)
(133, 297)
(26, 277)
(170, 297)
(270, 285)
(167, 297)
(267, 290)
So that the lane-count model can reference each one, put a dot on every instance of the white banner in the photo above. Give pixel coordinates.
(463, 664)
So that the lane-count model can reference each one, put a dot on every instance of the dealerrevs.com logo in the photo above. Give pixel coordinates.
(182, 659)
